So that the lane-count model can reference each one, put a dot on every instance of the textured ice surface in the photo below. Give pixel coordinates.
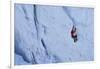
(42, 34)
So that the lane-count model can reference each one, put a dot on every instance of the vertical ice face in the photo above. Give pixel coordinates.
(43, 34)
(27, 40)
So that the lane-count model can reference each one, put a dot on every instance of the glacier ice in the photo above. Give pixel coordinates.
(42, 34)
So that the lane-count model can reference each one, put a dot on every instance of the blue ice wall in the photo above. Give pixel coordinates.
(42, 34)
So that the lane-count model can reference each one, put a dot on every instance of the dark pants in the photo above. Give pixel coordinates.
(74, 38)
